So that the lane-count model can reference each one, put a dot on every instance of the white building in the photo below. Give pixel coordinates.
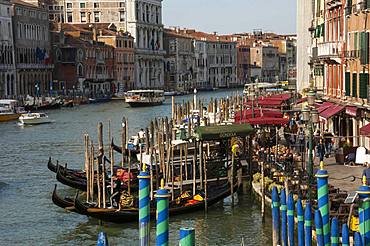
(304, 17)
(7, 62)
(144, 22)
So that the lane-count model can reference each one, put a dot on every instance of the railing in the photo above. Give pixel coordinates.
(352, 54)
(329, 49)
(34, 66)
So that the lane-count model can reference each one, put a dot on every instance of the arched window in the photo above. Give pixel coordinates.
(80, 55)
(58, 55)
(80, 70)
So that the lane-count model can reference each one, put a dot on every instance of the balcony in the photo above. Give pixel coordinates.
(329, 49)
(34, 66)
(352, 54)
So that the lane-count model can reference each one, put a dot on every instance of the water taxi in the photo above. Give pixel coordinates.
(34, 119)
(143, 98)
(9, 110)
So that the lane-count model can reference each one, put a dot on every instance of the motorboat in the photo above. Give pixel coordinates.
(34, 119)
(9, 110)
(144, 98)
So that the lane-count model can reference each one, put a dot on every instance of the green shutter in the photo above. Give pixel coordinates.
(368, 4)
(355, 41)
(364, 83)
(323, 29)
(354, 85)
(348, 83)
(364, 49)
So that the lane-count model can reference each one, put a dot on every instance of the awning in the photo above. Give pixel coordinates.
(331, 111)
(365, 130)
(259, 112)
(351, 111)
(281, 97)
(223, 131)
(267, 121)
(301, 100)
(266, 103)
(324, 106)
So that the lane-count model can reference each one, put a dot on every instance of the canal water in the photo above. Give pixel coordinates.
(28, 216)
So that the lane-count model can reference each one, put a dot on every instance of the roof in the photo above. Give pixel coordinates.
(263, 112)
(19, 2)
(208, 133)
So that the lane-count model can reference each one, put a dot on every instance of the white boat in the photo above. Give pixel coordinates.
(143, 98)
(9, 110)
(34, 119)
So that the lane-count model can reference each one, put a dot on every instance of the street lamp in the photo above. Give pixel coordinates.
(310, 117)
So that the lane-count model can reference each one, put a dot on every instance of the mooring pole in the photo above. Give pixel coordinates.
(144, 207)
(187, 237)
(275, 216)
(162, 197)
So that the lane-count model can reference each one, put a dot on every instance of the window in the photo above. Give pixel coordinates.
(8, 11)
(96, 5)
(57, 8)
(96, 16)
(364, 83)
(50, 7)
(354, 85)
(69, 5)
(122, 4)
(348, 83)
(122, 16)
(69, 17)
(51, 17)
(82, 5)
(83, 16)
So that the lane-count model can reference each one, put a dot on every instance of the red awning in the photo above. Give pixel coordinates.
(266, 103)
(258, 112)
(266, 121)
(365, 130)
(352, 111)
(324, 106)
(279, 97)
(331, 111)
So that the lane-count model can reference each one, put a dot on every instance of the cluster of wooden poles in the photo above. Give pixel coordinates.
(326, 232)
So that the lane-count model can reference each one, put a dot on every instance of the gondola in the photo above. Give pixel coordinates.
(66, 203)
(53, 167)
(217, 192)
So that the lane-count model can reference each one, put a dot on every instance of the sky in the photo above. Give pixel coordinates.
(231, 16)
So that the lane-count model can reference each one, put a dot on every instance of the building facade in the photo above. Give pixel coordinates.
(124, 58)
(179, 61)
(32, 50)
(266, 57)
(144, 22)
(243, 63)
(7, 57)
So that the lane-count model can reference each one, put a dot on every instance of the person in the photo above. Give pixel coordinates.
(301, 139)
(289, 161)
(366, 173)
(328, 141)
(141, 133)
(321, 150)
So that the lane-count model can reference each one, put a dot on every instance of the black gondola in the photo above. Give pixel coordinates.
(66, 202)
(217, 192)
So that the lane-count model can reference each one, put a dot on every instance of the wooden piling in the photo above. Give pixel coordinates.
(111, 169)
(98, 182)
(100, 143)
(181, 147)
(123, 140)
(194, 175)
(205, 183)
(232, 178)
(186, 161)
(92, 171)
(103, 184)
(201, 164)
(263, 191)
(87, 168)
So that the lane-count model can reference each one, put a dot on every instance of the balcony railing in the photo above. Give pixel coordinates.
(329, 49)
(352, 54)
(34, 66)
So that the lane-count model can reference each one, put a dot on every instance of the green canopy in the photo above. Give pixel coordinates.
(222, 132)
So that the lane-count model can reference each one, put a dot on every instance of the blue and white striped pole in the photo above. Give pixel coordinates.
(291, 219)
(308, 224)
(323, 201)
(187, 237)
(300, 218)
(283, 209)
(162, 216)
(345, 235)
(144, 207)
(318, 228)
(334, 232)
(364, 212)
(102, 239)
(275, 216)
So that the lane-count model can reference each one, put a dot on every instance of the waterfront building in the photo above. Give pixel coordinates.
(304, 19)
(7, 58)
(124, 58)
(32, 49)
(179, 61)
(144, 22)
(266, 57)
(82, 62)
(243, 63)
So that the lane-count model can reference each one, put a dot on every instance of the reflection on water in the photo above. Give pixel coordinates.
(28, 216)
